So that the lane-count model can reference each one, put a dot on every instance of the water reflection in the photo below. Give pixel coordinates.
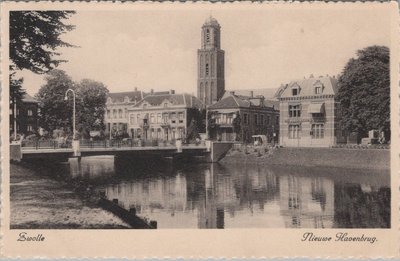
(216, 196)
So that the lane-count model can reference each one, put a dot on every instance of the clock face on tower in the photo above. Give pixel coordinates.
(211, 79)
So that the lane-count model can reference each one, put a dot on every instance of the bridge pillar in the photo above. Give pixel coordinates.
(179, 145)
(76, 148)
(219, 150)
(15, 151)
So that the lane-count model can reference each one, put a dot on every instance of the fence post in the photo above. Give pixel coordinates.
(54, 144)
(37, 144)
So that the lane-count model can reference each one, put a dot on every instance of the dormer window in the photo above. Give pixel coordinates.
(126, 99)
(318, 88)
(165, 105)
(295, 90)
(109, 100)
(144, 106)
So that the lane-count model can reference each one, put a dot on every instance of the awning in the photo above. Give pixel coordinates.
(316, 108)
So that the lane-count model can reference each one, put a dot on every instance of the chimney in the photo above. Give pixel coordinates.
(152, 91)
(251, 94)
(232, 92)
(171, 91)
(135, 89)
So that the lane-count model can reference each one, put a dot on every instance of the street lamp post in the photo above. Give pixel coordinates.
(75, 143)
(206, 122)
(73, 120)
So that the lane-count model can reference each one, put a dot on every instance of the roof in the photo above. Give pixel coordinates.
(307, 86)
(211, 21)
(268, 93)
(176, 99)
(28, 98)
(120, 96)
(232, 100)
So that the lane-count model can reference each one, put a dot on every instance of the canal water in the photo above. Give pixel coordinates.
(241, 196)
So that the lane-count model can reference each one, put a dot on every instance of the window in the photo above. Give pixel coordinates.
(229, 119)
(277, 120)
(144, 106)
(120, 113)
(208, 35)
(165, 105)
(138, 118)
(246, 118)
(294, 110)
(108, 114)
(268, 120)
(317, 131)
(207, 69)
(262, 119)
(255, 119)
(180, 116)
(295, 91)
(159, 117)
(30, 113)
(318, 90)
(152, 118)
(114, 113)
(133, 118)
(165, 117)
(173, 117)
(29, 127)
(294, 131)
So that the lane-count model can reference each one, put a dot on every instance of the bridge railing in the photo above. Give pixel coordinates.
(55, 144)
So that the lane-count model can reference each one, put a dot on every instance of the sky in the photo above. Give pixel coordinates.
(157, 49)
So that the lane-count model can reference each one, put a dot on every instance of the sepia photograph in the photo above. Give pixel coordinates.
(200, 117)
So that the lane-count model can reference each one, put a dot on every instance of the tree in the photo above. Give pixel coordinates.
(55, 112)
(364, 91)
(91, 105)
(34, 37)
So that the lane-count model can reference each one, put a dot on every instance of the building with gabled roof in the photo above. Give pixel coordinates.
(238, 118)
(163, 117)
(117, 104)
(309, 113)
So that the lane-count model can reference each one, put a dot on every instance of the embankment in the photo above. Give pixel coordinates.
(322, 157)
(39, 201)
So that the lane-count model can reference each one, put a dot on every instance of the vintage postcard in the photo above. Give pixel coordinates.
(196, 130)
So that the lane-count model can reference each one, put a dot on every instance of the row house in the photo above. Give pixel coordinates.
(310, 114)
(117, 105)
(238, 118)
(163, 117)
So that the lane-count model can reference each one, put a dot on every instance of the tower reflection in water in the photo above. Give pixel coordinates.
(217, 196)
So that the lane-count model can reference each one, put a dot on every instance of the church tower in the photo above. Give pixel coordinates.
(210, 64)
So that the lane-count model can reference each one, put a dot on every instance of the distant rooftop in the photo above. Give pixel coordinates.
(28, 98)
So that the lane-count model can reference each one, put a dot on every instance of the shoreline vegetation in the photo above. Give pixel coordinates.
(344, 157)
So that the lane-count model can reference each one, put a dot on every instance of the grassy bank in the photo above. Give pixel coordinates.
(322, 157)
(39, 201)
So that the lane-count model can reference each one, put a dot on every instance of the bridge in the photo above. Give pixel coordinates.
(52, 150)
